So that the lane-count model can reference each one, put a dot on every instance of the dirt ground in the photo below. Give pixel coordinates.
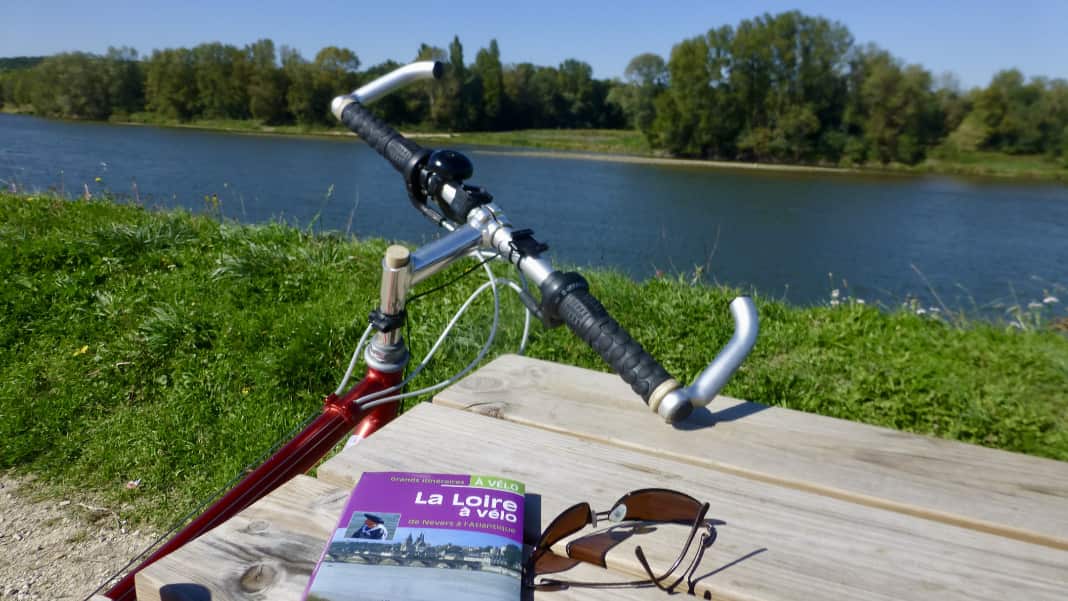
(58, 548)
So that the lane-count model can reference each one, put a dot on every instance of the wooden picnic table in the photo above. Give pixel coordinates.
(804, 506)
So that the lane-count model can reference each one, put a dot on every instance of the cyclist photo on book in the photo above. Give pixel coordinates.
(373, 526)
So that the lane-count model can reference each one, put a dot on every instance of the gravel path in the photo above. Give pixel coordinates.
(58, 548)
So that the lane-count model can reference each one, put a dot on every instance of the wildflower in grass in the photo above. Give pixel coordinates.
(834, 302)
(921, 311)
(81, 351)
(860, 301)
(835, 293)
(934, 309)
(132, 484)
(1034, 305)
(1050, 299)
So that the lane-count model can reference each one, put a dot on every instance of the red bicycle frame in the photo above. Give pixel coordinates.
(476, 227)
(340, 416)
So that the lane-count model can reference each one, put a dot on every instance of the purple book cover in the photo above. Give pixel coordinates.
(409, 536)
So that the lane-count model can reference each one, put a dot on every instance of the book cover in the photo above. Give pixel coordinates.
(412, 536)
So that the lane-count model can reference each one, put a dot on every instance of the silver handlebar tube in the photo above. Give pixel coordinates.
(719, 371)
(395, 79)
(387, 83)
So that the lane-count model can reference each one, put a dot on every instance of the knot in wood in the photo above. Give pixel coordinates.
(258, 578)
(257, 526)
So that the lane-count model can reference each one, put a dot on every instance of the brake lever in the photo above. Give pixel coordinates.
(678, 403)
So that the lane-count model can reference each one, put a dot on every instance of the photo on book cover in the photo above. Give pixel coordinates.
(473, 566)
(407, 536)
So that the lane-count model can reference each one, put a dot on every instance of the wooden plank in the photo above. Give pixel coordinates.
(267, 552)
(774, 543)
(1009, 494)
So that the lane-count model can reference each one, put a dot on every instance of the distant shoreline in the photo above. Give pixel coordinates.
(649, 160)
(621, 146)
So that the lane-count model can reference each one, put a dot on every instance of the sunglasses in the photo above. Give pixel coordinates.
(655, 505)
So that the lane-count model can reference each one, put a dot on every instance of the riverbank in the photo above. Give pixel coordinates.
(146, 357)
(631, 146)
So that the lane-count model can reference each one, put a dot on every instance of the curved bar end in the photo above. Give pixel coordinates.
(680, 403)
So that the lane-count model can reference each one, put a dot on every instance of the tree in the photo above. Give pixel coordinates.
(126, 83)
(450, 111)
(1022, 117)
(894, 107)
(517, 82)
(645, 77)
(337, 70)
(170, 84)
(267, 83)
(575, 82)
(553, 110)
(489, 71)
(72, 85)
(788, 75)
(684, 113)
(302, 99)
(222, 76)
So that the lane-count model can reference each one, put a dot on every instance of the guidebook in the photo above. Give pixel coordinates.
(411, 537)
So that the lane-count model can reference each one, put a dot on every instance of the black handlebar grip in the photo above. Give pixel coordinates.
(401, 152)
(587, 318)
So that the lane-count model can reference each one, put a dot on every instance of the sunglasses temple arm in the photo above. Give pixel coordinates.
(691, 582)
(678, 560)
(648, 570)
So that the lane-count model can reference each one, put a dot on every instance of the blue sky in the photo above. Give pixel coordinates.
(972, 39)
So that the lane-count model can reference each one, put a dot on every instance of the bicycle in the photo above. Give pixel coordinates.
(476, 228)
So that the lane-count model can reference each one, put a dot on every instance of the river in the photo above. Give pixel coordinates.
(977, 243)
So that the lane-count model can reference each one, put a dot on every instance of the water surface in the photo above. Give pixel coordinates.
(790, 235)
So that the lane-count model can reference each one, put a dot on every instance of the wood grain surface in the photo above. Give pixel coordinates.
(773, 542)
(1009, 494)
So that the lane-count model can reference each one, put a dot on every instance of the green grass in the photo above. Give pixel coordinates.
(984, 164)
(997, 164)
(229, 125)
(613, 141)
(174, 349)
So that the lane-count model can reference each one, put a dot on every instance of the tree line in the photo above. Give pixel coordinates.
(796, 88)
(775, 88)
(280, 86)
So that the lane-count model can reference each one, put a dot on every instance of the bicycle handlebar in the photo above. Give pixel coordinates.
(401, 152)
(570, 299)
(349, 109)
(565, 297)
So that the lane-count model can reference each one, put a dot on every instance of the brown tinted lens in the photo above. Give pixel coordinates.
(570, 521)
(550, 563)
(593, 548)
(661, 505)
